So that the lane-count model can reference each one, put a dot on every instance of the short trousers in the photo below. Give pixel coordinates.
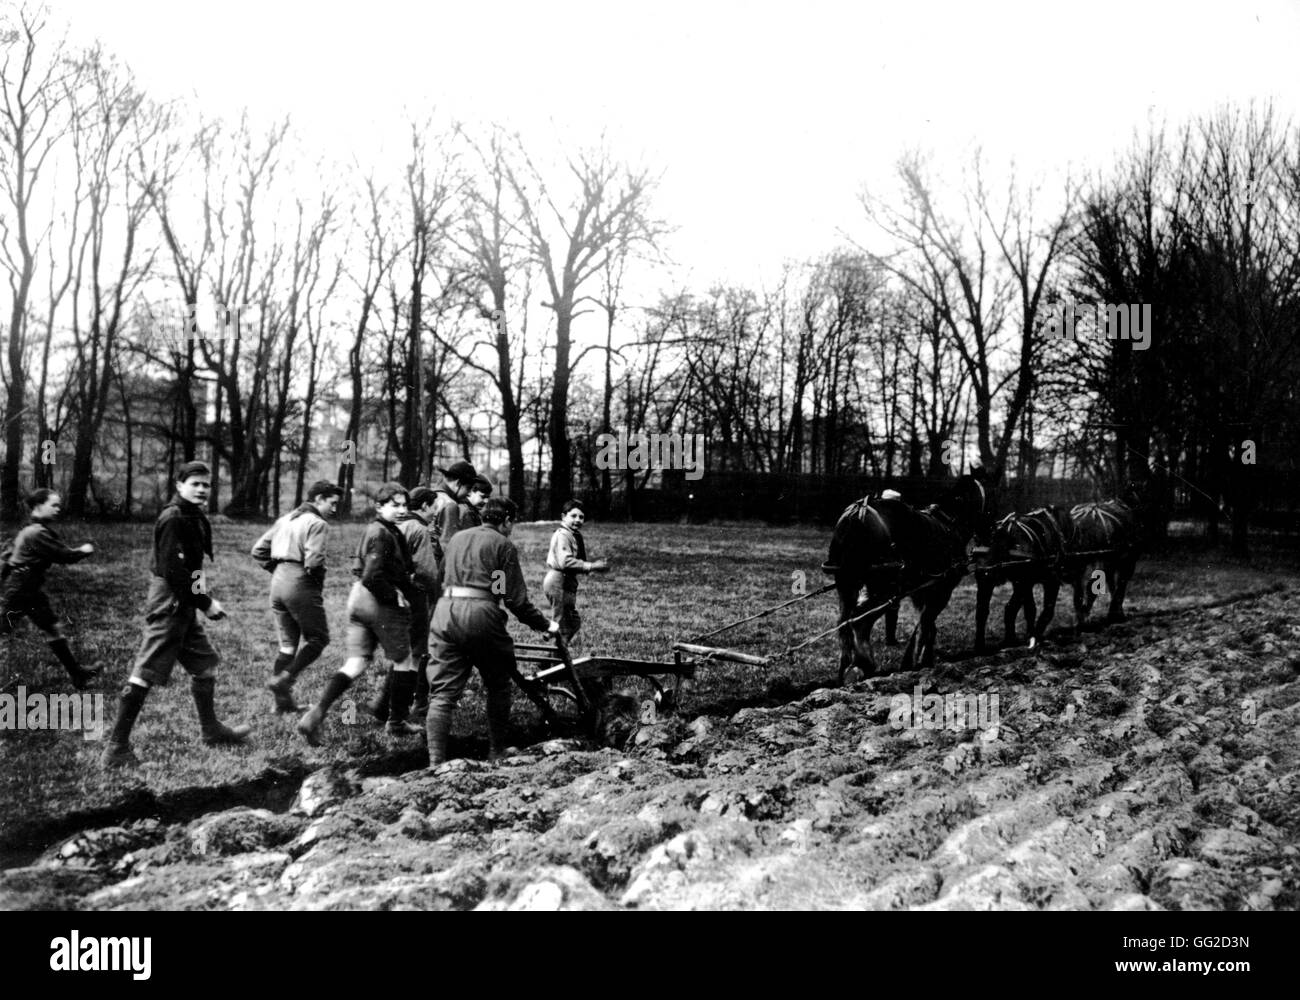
(173, 632)
(299, 607)
(373, 625)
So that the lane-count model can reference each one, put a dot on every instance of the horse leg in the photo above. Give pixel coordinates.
(1080, 612)
(1123, 573)
(930, 633)
(1089, 593)
(1109, 569)
(1051, 587)
(847, 592)
(983, 597)
(910, 650)
(1031, 612)
(888, 584)
(1009, 616)
(855, 638)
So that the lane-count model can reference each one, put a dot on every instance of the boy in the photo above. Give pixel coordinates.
(480, 569)
(293, 550)
(565, 560)
(34, 550)
(178, 591)
(457, 479)
(471, 511)
(425, 557)
(379, 614)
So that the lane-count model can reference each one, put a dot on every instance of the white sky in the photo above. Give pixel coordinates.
(766, 118)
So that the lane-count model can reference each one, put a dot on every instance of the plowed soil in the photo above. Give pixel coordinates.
(1153, 764)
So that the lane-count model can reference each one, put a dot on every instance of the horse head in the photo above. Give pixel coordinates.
(968, 505)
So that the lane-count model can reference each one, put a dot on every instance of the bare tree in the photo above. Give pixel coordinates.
(606, 213)
(33, 120)
(972, 274)
(115, 124)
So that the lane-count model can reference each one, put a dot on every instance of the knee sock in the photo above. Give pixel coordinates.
(402, 691)
(63, 652)
(128, 708)
(308, 654)
(334, 689)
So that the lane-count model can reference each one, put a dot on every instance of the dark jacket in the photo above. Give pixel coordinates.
(36, 548)
(426, 555)
(383, 562)
(445, 521)
(182, 536)
(484, 558)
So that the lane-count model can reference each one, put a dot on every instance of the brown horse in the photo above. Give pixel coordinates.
(1024, 550)
(1108, 534)
(891, 549)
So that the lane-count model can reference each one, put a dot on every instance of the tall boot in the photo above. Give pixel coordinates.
(282, 683)
(215, 734)
(438, 726)
(378, 706)
(403, 689)
(81, 676)
(310, 724)
(421, 707)
(498, 719)
(118, 752)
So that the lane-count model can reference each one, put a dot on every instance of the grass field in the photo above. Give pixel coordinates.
(669, 582)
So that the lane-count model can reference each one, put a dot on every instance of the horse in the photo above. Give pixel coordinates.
(1108, 533)
(1024, 550)
(892, 549)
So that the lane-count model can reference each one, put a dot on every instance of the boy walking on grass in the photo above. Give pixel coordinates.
(37, 547)
(173, 631)
(379, 615)
(293, 550)
(425, 557)
(565, 561)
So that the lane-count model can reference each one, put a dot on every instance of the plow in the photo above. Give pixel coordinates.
(567, 691)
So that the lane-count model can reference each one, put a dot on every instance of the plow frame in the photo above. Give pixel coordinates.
(562, 687)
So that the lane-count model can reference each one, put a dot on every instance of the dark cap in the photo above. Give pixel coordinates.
(193, 469)
(460, 471)
(482, 485)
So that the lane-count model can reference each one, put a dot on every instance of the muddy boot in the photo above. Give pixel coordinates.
(80, 676)
(281, 687)
(310, 724)
(215, 734)
(117, 752)
(281, 684)
(438, 726)
(378, 706)
(498, 719)
(421, 707)
(403, 690)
